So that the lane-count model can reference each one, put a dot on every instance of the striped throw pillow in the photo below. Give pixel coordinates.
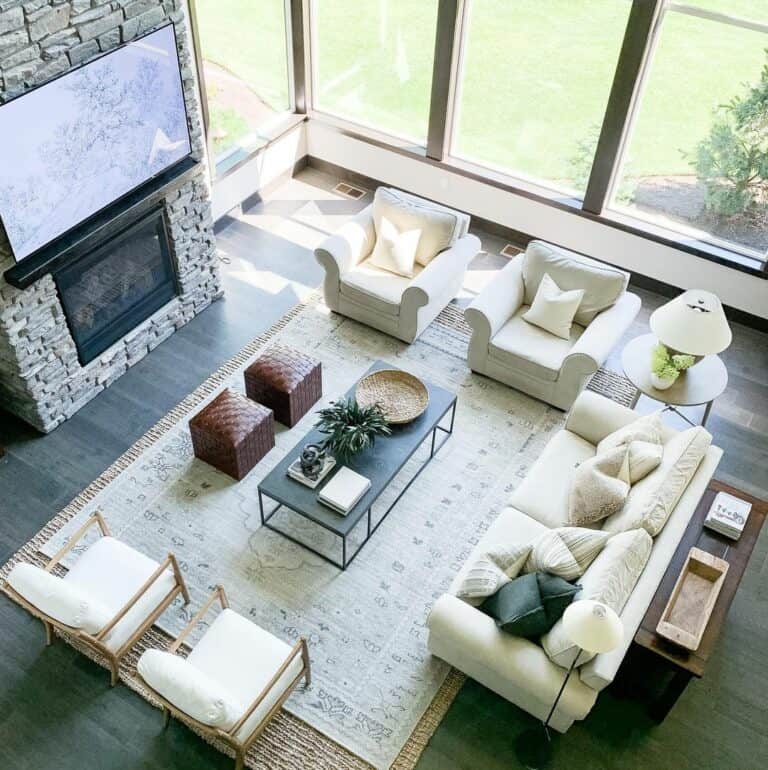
(566, 551)
(491, 570)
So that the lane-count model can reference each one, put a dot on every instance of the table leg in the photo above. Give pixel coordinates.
(344, 552)
(707, 410)
(261, 507)
(664, 703)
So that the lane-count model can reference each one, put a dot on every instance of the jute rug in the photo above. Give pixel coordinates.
(377, 695)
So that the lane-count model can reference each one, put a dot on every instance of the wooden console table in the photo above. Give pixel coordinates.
(685, 665)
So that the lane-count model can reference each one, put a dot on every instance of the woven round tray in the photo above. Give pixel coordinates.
(401, 396)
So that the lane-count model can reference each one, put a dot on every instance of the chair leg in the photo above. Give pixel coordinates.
(239, 759)
(166, 718)
(114, 676)
(49, 635)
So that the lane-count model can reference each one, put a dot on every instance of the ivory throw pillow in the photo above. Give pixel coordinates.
(642, 458)
(433, 228)
(610, 579)
(552, 309)
(566, 551)
(395, 251)
(492, 570)
(599, 487)
(652, 499)
(646, 428)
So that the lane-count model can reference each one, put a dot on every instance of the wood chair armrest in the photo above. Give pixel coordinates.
(96, 518)
(218, 593)
(170, 561)
(299, 649)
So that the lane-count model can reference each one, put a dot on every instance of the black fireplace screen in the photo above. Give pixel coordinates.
(112, 289)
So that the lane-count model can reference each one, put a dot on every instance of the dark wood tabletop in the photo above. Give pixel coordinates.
(735, 552)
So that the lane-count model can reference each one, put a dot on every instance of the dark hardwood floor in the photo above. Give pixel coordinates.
(56, 709)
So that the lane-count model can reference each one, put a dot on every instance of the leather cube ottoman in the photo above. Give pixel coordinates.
(232, 433)
(286, 381)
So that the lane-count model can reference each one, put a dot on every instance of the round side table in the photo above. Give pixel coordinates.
(701, 384)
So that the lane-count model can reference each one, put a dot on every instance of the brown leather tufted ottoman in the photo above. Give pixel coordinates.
(286, 381)
(232, 433)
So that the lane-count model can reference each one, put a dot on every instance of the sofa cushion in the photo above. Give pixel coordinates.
(436, 228)
(610, 579)
(492, 569)
(652, 499)
(566, 551)
(599, 487)
(70, 604)
(553, 309)
(602, 284)
(189, 689)
(543, 493)
(375, 288)
(532, 350)
(647, 428)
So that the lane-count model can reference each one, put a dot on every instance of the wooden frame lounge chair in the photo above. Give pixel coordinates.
(108, 599)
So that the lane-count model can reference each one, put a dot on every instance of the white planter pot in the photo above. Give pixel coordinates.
(660, 383)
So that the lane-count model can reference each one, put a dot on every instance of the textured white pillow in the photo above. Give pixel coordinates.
(59, 599)
(642, 458)
(566, 551)
(189, 689)
(491, 570)
(552, 309)
(646, 428)
(395, 251)
(610, 579)
(652, 499)
(599, 487)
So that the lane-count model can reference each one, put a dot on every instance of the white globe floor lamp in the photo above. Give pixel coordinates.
(593, 627)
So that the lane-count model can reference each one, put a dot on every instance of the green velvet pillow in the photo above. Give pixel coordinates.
(530, 605)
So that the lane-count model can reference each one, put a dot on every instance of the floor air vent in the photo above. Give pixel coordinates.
(348, 191)
(510, 251)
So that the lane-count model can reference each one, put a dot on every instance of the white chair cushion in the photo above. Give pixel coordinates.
(566, 551)
(652, 499)
(532, 350)
(610, 579)
(112, 572)
(69, 604)
(491, 570)
(436, 228)
(553, 309)
(375, 288)
(648, 428)
(599, 487)
(189, 689)
(543, 494)
(242, 658)
(602, 284)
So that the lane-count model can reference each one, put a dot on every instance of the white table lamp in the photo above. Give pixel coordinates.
(692, 323)
(593, 627)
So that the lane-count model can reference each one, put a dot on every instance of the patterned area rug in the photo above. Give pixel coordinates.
(377, 695)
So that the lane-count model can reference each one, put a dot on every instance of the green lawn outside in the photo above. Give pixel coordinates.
(537, 72)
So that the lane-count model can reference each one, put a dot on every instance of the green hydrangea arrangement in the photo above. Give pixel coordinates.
(668, 367)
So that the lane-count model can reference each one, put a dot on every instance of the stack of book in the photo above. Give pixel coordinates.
(344, 490)
(728, 515)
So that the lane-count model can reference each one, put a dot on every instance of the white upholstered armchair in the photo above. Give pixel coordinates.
(396, 304)
(507, 348)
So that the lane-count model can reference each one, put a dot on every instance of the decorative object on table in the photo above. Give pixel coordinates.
(232, 433)
(350, 427)
(693, 322)
(728, 515)
(593, 627)
(693, 598)
(312, 466)
(401, 396)
(344, 490)
(285, 380)
(666, 367)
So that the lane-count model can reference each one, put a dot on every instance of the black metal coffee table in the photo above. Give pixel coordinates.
(380, 464)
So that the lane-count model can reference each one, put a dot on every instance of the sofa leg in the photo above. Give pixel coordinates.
(49, 636)
(166, 718)
(114, 676)
(239, 759)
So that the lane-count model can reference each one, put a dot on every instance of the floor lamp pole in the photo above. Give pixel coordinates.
(562, 690)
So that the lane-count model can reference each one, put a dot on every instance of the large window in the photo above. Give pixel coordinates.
(245, 65)
(697, 157)
(534, 84)
(372, 62)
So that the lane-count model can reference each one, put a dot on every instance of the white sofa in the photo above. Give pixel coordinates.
(507, 348)
(394, 304)
(516, 668)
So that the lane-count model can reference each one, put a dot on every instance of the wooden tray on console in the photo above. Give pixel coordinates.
(693, 598)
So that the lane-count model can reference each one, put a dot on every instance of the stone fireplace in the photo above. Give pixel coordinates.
(74, 331)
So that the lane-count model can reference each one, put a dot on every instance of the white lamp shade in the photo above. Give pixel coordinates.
(593, 626)
(692, 323)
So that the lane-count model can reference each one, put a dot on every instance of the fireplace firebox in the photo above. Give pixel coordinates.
(115, 286)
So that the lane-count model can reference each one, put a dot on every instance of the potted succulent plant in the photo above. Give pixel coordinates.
(351, 428)
(666, 366)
